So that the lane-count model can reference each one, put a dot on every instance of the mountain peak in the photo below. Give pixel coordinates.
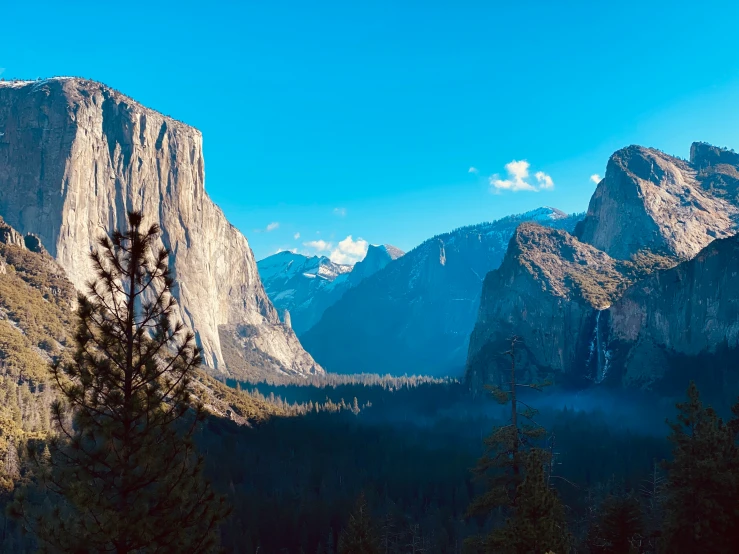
(651, 200)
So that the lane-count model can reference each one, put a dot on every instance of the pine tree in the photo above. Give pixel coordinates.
(538, 522)
(701, 512)
(360, 536)
(619, 529)
(123, 467)
(502, 467)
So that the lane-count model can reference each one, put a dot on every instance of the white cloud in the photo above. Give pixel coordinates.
(518, 178)
(595, 178)
(318, 245)
(473, 170)
(272, 226)
(349, 251)
(293, 250)
(296, 236)
(544, 180)
(341, 212)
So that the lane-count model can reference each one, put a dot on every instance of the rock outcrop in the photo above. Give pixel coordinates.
(305, 286)
(605, 306)
(650, 200)
(416, 314)
(549, 291)
(75, 156)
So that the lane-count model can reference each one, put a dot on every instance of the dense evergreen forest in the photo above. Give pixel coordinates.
(294, 481)
(113, 439)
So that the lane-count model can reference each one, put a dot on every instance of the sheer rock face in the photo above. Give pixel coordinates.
(689, 310)
(650, 200)
(546, 292)
(415, 315)
(75, 156)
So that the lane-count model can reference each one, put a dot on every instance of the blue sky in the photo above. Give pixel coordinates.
(336, 119)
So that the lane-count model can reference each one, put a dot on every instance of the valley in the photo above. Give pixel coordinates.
(327, 395)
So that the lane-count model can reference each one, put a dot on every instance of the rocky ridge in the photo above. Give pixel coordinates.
(302, 287)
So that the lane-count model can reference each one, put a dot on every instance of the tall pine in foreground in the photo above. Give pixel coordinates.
(701, 510)
(124, 473)
(516, 484)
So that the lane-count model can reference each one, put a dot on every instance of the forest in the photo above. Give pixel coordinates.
(115, 440)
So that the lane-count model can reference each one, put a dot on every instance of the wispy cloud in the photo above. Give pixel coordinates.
(518, 179)
(2, 70)
(296, 236)
(473, 170)
(349, 251)
(318, 245)
(595, 178)
(341, 212)
(293, 250)
(272, 226)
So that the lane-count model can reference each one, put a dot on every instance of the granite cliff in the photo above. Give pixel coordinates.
(650, 200)
(416, 314)
(75, 155)
(570, 297)
(689, 312)
(549, 291)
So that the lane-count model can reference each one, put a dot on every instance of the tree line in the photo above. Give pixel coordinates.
(138, 465)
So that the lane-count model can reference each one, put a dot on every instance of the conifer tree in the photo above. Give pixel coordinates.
(538, 522)
(502, 467)
(123, 470)
(701, 512)
(619, 528)
(360, 536)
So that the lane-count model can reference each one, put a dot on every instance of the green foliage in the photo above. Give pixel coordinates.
(701, 512)
(123, 473)
(619, 528)
(35, 300)
(538, 523)
(509, 454)
(360, 535)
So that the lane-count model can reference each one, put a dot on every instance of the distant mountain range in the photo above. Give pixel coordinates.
(416, 314)
(302, 287)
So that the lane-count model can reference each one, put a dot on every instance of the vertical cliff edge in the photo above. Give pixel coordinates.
(75, 156)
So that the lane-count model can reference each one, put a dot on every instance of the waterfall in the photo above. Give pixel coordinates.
(598, 349)
(598, 358)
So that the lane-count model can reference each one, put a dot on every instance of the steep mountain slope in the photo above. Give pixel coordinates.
(680, 314)
(649, 213)
(37, 326)
(75, 155)
(305, 286)
(549, 292)
(416, 315)
(36, 301)
(650, 200)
